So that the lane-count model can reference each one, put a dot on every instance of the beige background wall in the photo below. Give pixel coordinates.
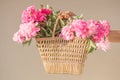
(24, 63)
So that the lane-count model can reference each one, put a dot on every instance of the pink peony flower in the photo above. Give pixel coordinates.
(103, 45)
(106, 27)
(31, 14)
(26, 32)
(92, 27)
(46, 11)
(40, 17)
(67, 33)
(80, 27)
(18, 37)
(102, 30)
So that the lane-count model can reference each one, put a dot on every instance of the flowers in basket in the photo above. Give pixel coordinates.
(63, 38)
(41, 23)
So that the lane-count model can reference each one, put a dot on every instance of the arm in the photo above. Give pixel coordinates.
(114, 36)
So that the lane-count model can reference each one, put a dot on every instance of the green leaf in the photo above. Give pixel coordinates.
(27, 42)
(81, 16)
(42, 6)
(78, 17)
(46, 33)
(92, 46)
(50, 30)
(62, 22)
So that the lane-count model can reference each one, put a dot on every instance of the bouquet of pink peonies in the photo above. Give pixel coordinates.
(63, 37)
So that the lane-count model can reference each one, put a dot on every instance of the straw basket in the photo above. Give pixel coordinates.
(63, 56)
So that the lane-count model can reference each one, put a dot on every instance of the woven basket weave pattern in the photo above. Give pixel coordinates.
(62, 56)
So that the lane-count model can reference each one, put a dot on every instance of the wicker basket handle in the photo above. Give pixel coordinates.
(61, 15)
